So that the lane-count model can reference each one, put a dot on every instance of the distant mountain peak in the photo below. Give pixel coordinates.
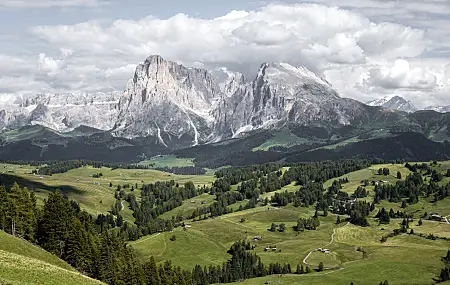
(438, 108)
(394, 102)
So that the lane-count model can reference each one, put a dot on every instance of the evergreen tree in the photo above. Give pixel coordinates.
(55, 224)
(151, 273)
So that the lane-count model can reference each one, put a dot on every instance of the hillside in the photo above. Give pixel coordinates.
(357, 255)
(199, 231)
(24, 263)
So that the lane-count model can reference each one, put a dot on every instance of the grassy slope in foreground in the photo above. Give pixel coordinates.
(24, 263)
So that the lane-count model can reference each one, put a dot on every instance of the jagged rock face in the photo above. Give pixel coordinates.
(394, 103)
(282, 94)
(165, 97)
(63, 112)
(181, 107)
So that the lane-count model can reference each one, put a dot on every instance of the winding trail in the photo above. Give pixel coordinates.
(331, 241)
(150, 237)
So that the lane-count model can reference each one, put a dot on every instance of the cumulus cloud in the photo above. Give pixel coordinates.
(401, 75)
(301, 33)
(50, 3)
(360, 57)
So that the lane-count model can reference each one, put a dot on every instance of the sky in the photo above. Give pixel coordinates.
(366, 49)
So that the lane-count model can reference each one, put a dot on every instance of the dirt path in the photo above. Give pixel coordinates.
(331, 241)
(446, 220)
(150, 237)
(239, 224)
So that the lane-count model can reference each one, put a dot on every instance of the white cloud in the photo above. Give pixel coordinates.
(50, 3)
(401, 75)
(297, 33)
(361, 58)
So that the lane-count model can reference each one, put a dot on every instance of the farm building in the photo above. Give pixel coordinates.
(436, 217)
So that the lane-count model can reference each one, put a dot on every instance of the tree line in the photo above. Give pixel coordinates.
(61, 228)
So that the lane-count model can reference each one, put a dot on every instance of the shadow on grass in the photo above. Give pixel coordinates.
(9, 180)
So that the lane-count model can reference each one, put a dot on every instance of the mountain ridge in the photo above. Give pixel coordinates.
(167, 106)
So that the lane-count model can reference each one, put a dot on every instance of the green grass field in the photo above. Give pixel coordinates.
(168, 161)
(23, 263)
(404, 259)
(94, 194)
(371, 174)
(282, 138)
(190, 205)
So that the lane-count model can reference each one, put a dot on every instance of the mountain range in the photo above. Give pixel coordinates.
(167, 107)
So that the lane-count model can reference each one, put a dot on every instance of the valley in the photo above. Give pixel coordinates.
(354, 253)
(241, 142)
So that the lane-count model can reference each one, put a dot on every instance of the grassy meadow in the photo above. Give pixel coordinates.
(168, 161)
(22, 263)
(94, 194)
(357, 255)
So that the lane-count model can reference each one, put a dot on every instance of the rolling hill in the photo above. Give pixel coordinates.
(22, 263)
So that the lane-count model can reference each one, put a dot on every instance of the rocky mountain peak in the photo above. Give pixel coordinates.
(394, 102)
(179, 106)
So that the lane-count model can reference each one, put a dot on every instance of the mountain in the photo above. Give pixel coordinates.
(394, 103)
(281, 95)
(169, 101)
(166, 107)
(440, 109)
(190, 106)
(183, 106)
(61, 112)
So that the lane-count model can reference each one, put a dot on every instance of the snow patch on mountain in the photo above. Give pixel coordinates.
(181, 106)
(440, 109)
(393, 102)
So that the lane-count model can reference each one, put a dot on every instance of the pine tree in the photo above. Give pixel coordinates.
(3, 208)
(55, 224)
(151, 273)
